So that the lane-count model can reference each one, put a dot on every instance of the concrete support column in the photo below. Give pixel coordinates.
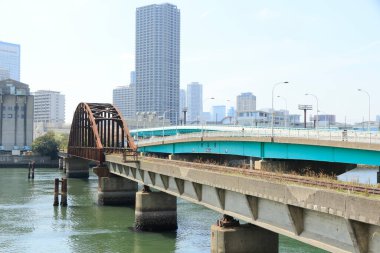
(243, 238)
(155, 211)
(60, 163)
(77, 167)
(116, 191)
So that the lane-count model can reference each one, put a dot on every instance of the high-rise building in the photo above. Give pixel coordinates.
(218, 113)
(182, 103)
(9, 61)
(245, 104)
(49, 107)
(194, 95)
(16, 121)
(158, 60)
(124, 98)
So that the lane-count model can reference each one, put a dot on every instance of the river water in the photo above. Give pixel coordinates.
(30, 223)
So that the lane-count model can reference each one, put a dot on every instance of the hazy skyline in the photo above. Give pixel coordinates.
(329, 48)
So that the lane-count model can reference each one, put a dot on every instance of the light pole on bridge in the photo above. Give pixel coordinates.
(369, 106)
(274, 86)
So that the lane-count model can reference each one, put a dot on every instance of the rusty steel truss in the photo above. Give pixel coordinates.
(98, 129)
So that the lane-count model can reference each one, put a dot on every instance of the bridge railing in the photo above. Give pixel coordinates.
(328, 135)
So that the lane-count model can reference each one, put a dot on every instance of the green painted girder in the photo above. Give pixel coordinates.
(271, 150)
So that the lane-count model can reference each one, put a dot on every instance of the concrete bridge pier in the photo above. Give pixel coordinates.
(114, 190)
(60, 163)
(76, 167)
(155, 211)
(230, 236)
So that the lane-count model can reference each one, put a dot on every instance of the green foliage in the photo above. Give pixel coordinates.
(47, 145)
(63, 140)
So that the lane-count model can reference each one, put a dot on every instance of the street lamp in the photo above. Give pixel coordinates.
(203, 122)
(274, 86)
(369, 106)
(316, 98)
(286, 109)
(163, 121)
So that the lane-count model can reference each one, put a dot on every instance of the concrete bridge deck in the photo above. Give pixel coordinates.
(331, 220)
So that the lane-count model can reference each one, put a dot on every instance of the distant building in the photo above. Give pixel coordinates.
(245, 103)
(182, 103)
(16, 121)
(124, 98)
(378, 118)
(49, 107)
(9, 61)
(218, 113)
(158, 60)
(194, 95)
(325, 120)
(4, 74)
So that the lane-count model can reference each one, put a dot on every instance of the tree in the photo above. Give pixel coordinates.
(46, 145)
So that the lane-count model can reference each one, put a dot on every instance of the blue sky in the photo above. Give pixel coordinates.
(85, 48)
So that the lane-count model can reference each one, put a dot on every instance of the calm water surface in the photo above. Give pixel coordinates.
(30, 223)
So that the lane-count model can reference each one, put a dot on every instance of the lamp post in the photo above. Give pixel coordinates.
(163, 121)
(286, 109)
(316, 98)
(274, 86)
(369, 106)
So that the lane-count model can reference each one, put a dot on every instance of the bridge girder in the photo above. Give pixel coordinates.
(96, 129)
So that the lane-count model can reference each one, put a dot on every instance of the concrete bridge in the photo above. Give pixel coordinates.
(334, 220)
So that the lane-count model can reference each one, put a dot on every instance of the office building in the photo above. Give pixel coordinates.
(9, 61)
(194, 95)
(49, 107)
(158, 60)
(16, 121)
(124, 98)
(218, 113)
(245, 104)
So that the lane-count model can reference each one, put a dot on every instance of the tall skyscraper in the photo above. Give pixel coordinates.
(124, 98)
(9, 61)
(194, 101)
(49, 107)
(158, 60)
(245, 104)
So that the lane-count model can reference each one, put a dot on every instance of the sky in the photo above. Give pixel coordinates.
(330, 48)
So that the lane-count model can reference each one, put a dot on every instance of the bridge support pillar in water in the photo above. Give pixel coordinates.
(243, 238)
(76, 167)
(60, 163)
(116, 190)
(155, 211)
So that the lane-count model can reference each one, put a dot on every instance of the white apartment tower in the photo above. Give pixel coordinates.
(194, 95)
(245, 104)
(158, 60)
(49, 107)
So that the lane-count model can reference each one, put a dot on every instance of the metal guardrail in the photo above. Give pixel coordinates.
(327, 135)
